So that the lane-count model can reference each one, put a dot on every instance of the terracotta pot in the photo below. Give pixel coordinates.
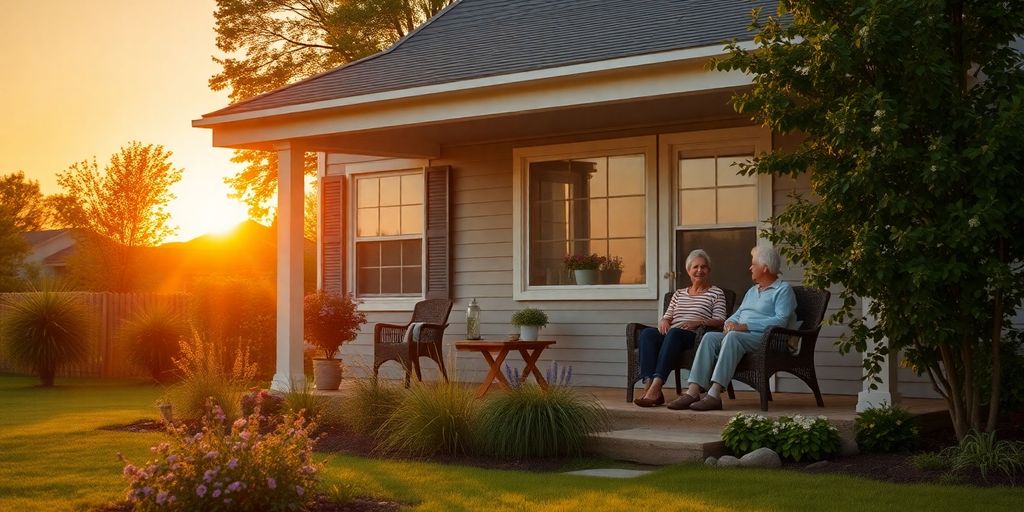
(327, 374)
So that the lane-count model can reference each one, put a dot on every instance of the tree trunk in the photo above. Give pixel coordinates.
(997, 338)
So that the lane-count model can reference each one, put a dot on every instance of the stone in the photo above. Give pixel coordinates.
(817, 465)
(710, 461)
(761, 458)
(728, 461)
(848, 446)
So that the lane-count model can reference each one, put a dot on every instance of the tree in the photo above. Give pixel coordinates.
(310, 205)
(122, 208)
(13, 249)
(912, 112)
(271, 43)
(24, 202)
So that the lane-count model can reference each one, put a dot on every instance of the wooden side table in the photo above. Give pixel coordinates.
(496, 351)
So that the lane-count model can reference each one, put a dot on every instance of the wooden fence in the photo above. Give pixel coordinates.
(107, 312)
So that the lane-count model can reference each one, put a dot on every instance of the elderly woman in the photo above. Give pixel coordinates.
(768, 303)
(699, 305)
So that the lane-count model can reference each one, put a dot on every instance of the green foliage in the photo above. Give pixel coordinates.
(431, 419)
(242, 313)
(13, 249)
(930, 461)
(530, 316)
(269, 403)
(792, 437)
(912, 117)
(303, 400)
(886, 429)
(982, 452)
(330, 320)
(532, 422)
(46, 330)
(373, 402)
(244, 466)
(207, 373)
(152, 339)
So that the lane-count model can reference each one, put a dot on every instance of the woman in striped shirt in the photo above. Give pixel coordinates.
(699, 305)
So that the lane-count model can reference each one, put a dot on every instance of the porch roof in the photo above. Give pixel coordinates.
(477, 39)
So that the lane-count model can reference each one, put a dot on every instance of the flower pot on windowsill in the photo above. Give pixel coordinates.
(611, 276)
(327, 374)
(585, 277)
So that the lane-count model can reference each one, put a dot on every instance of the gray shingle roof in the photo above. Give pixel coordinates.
(481, 38)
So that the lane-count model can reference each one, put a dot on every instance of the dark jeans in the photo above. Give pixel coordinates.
(659, 354)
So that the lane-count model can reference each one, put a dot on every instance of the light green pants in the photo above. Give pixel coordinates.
(718, 354)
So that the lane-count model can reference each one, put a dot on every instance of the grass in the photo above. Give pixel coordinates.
(53, 458)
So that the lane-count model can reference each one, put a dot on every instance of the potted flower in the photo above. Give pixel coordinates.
(330, 320)
(584, 267)
(611, 270)
(529, 321)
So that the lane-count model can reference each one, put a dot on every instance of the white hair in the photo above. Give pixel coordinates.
(697, 253)
(768, 256)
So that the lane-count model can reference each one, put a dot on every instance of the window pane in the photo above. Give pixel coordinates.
(696, 172)
(367, 254)
(367, 192)
(549, 180)
(598, 218)
(390, 280)
(626, 175)
(626, 217)
(391, 253)
(593, 177)
(729, 250)
(727, 172)
(412, 189)
(549, 220)
(368, 281)
(390, 218)
(412, 220)
(632, 252)
(411, 252)
(367, 224)
(412, 280)
(546, 263)
(390, 191)
(737, 205)
(696, 207)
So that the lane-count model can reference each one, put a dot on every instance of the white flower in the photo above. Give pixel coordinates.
(876, 129)
(974, 222)
(934, 168)
(879, 114)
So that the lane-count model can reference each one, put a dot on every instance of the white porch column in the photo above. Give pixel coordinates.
(289, 268)
(887, 390)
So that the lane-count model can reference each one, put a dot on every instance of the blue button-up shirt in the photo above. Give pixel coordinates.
(762, 309)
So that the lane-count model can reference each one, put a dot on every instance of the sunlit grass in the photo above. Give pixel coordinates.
(53, 458)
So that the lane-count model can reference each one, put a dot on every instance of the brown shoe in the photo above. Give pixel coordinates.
(647, 402)
(683, 402)
(709, 403)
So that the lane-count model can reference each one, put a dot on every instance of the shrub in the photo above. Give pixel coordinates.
(530, 316)
(152, 340)
(270, 404)
(241, 313)
(532, 422)
(886, 429)
(930, 461)
(330, 320)
(431, 419)
(241, 467)
(45, 331)
(794, 438)
(202, 366)
(373, 402)
(982, 452)
(303, 400)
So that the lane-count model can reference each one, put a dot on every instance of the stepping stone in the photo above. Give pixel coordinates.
(610, 473)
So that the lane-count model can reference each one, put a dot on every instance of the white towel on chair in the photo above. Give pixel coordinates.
(412, 333)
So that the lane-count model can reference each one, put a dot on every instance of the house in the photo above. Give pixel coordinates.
(467, 160)
(49, 250)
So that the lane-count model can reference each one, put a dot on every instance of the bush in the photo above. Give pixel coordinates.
(530, 316)
(228, 468)
(372, 403)
(270, 404)
(532, 422)
(886, 429)
(793, 438)
(152, 338)
(431, 419)
(983, 453)
(45, 331)
(242, 314)
(202, 366)
(930, 461)
(330, 320)
(303, 400)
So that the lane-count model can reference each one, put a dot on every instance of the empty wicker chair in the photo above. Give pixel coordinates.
(389, 340)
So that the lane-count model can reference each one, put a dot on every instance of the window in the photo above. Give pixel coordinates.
(583, 199)
(712, 193)
(389, 235)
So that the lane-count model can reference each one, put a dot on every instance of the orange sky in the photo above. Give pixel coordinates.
(83, 78)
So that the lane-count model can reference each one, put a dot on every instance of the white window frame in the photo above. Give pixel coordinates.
(750, 139)
(382, 168)
(522, 157)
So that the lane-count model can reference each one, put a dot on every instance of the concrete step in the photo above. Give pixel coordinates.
(657, 446)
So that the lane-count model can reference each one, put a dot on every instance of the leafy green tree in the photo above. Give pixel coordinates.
(270, 43)
(912, 112)
(121, 208)
(13, 249)
(23, 201)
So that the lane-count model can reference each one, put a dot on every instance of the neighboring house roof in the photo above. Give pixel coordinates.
(35, 238)
(59, 258)
(481, 38)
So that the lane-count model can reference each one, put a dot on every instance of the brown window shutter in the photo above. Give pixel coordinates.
(438, 235)
(332, 234)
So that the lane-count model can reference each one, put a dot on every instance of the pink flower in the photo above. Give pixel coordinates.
(215, 493)
(201, 490)
(271, 483)
(161, 497)
(130, 470)
(234, 486)
(299, 490)
(239, 423)
(209, 475)
(233, 463)
(245, 435)
(211, 455)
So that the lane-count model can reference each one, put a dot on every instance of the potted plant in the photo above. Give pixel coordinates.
(584, 267)
(330, 320)
(611, 270)
(529, 321)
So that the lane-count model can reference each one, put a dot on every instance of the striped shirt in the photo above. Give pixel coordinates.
(705, 306)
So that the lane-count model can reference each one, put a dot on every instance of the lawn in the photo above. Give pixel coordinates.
(52, 457)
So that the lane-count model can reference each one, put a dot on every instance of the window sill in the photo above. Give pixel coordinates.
(588, 292)
(388, 303)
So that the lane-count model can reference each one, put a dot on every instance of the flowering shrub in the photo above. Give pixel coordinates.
(330, 320)
(584, 262)
(612, 263)
(886, 429)
(794, 438)
(236, 467)
(269, 404)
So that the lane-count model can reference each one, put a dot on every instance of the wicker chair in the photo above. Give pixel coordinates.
(389, 339)
(633, 331)
(774, 355)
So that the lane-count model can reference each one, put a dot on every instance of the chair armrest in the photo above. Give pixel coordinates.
(431, 333)
(389, 333)
(633, 331)
(776, 339)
